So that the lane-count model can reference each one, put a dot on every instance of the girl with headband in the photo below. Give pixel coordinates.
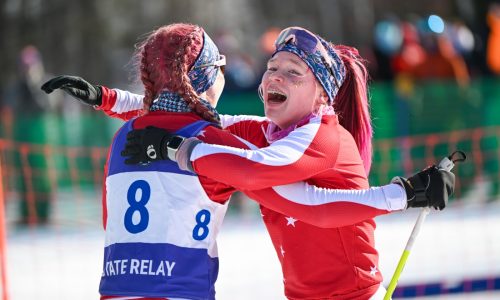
(324, 240)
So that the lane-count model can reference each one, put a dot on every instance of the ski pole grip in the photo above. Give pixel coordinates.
(448, 162)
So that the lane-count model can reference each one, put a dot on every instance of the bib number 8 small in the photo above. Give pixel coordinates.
(137, 206)
(200, 231)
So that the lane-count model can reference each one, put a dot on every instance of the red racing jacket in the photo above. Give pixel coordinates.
(313, 192)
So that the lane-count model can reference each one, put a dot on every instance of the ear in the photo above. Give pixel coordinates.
(323, 97)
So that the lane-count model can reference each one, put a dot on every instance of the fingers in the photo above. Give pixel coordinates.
(47, 87)
(54, 83)
(134, 138)
(441, 184)
(447, 180)
(63, 81)
(133, 154)
(131, 150)
(133, 161)
(134, 135)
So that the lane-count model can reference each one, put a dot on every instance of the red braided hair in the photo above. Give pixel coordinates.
(165, 58)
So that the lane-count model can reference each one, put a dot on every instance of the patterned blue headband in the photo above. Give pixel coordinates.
(319, 55)
(204, 71)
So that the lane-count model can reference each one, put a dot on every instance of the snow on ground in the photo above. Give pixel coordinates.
(64, 262)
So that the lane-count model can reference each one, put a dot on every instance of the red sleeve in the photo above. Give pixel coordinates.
(249, 128)
(329, 208)
(305, 152)
(120, 104)
(219, 191)
(322, 207)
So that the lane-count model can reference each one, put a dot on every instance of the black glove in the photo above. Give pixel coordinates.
(146, 145)
(77, 87)
(428, 188)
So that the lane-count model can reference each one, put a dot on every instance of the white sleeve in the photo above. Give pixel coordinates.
(228, 120)
(127, 101)
(389, 197)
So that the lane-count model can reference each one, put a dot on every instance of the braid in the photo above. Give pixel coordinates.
(149, 71)
(146, 80)
(186, 90)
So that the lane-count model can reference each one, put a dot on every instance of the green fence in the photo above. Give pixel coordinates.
(400, 110)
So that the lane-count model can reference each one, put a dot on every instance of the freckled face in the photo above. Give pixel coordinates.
(290, 90)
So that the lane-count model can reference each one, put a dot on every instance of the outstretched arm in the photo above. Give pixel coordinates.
(115, 103)
(123, 104)
(120, 104)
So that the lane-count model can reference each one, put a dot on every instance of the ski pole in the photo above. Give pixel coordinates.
(447, 164)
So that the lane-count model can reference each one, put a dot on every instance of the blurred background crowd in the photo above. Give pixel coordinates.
(457, 40)
(445, 39)
(434, 66)
(435, 87)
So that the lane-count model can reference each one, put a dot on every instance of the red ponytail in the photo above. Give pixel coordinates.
(351, 103)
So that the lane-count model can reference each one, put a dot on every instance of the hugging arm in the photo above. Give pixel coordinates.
(325, 207)
(329, 208)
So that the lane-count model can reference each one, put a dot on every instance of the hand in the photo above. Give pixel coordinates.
(146, 145)
(77, 87)
(428, 188)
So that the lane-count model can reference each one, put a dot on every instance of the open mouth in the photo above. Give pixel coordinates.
(276, 97)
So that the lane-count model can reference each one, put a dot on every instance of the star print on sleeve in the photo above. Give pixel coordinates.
(373, 270)
(201, 133)
(290, 221)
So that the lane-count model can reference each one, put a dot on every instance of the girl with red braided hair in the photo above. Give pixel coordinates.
(323, 238)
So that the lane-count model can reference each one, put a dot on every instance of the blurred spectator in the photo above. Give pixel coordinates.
(241, 72)
(461, 37)
(441, 60)
(25, 94)
(267, 41)
(411, 52)
(464, 43)
(387, 40)
(28, 106)
(267, 48)
(493, 47)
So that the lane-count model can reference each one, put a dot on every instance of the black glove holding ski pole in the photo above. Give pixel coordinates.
(77, 87)
(430, 187)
